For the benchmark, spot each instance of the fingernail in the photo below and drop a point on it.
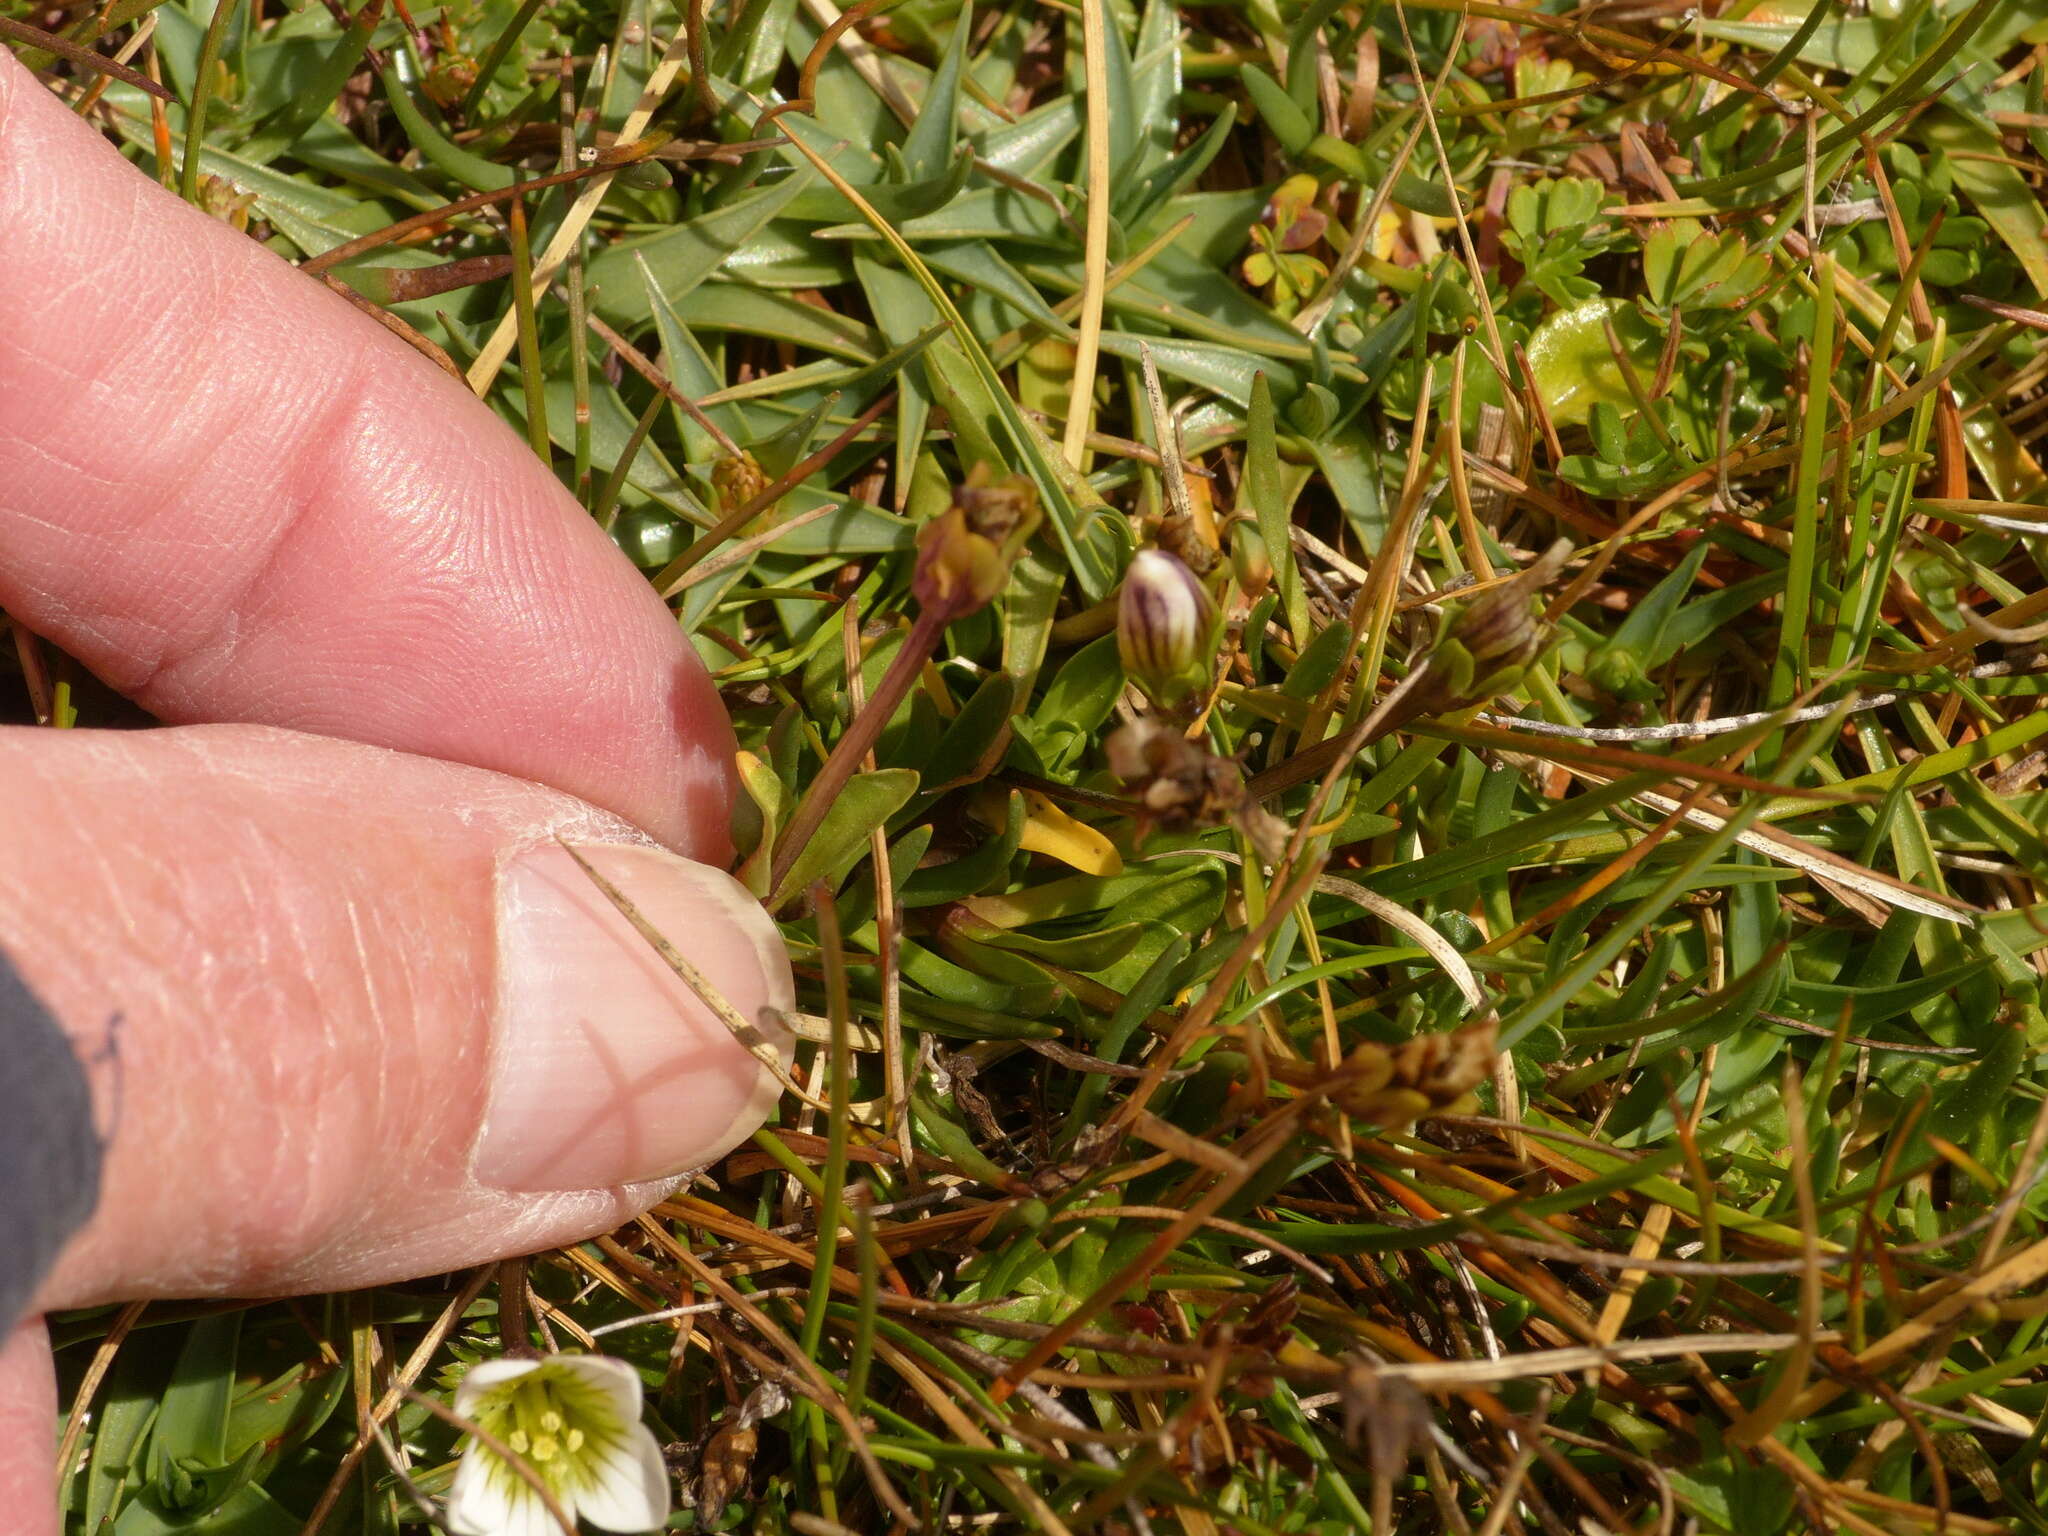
(607, 1066)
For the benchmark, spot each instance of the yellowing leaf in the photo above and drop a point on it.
(771, 799)
(1052, 832)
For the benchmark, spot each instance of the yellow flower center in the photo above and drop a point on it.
(534, 1417)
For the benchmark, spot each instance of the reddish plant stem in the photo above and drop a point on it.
(859, 739)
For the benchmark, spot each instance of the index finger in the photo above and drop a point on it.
(236, 499)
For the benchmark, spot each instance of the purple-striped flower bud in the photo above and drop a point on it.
(1165, 628)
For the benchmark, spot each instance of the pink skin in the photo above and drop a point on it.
(237, 500)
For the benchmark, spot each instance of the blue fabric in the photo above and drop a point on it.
(49, 1150)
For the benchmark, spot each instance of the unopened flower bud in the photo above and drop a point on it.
(1249, 561)
(1488, 646)
(1165, 628)
(1500, 631)
(738, 479)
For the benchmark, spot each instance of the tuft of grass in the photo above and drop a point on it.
(1426, 1084)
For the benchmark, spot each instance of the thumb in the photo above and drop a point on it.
(28, 1442)
(351, 1016)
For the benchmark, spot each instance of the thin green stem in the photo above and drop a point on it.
(205, 74)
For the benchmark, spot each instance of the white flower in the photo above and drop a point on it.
(574, 1420)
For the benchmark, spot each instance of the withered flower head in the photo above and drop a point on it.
(965, 553)
(1430, 1074)
(1180, 537)
(1000, 508)
(1165, 628)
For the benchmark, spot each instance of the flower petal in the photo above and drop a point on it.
(488, 1498)
(485, 1375)
(626, 1488)
(618, 1381)
(531, 1517)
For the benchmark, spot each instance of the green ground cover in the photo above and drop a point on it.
(1534, 1025)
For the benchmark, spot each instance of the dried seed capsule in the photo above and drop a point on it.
(1179, 784)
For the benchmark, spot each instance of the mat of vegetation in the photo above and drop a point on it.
(1506, 998)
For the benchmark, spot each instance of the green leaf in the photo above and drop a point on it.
(1573, 366)
(1029, 605)
(725, 306)
(941, 981)
(1995, 187)
(751, 50)
(899, 203)
(1095, 950)
(681, 258)
(903, 310)
(188, 1448)
(866, 802)
(1267, 489)
(1623, 663)
(1027, 145)
(928, 148)
(246, 1511)
(1143, 206)
(1277, 110)
(979, 263)
(1303, 88)
(122, 1419)
(692, 372)
(441, 152)
(313, 90)
(1319, 662)
(973, 872)
(1155, 89)
(1126, 125)
(974, 738)
(1227, 371)
(987, 213)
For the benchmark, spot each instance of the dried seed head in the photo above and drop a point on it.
(1180, 785)
(728, 1461)
(1383, 1416)
(1165, 628)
